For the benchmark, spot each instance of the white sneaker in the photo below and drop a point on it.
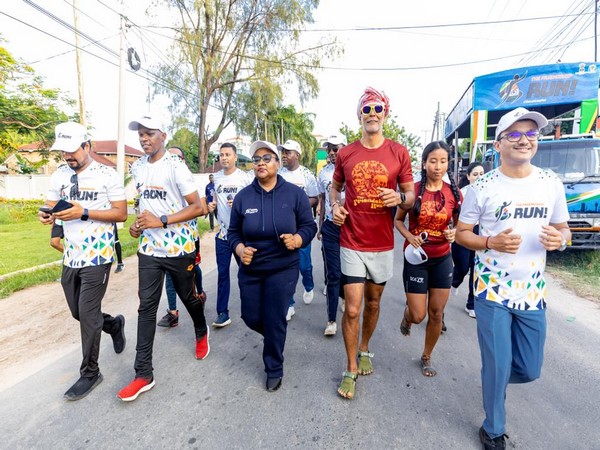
(454, 290)
(330, 329)
(325, 291)
(342, 305)
(308, 297)
(470, 312)
(291, 312)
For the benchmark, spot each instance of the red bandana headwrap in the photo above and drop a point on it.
(373, 96)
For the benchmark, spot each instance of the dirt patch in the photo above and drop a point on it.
(36, 326)
(574, 283)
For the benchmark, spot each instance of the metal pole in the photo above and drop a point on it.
(596, 31)
(121, 109)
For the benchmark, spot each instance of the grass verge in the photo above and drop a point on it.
(578, 270)
(26, 243)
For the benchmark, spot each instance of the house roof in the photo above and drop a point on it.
(100, 147)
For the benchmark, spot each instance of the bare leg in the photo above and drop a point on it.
(437, 302)
(373, 294)
(351, 322)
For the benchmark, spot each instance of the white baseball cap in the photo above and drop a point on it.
(290, 144)
(336, 140)
(517, 114)
(69, 137)
(147, 121)
(262, 144)
(415, 255)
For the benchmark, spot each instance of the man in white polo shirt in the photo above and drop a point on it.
(94, 198)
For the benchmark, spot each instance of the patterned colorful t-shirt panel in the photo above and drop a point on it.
(369, 224)
(91, 242)
(324, 186)
(523, 205)
(161, 189)
(226, 188)
(436, 214)
(303, 178)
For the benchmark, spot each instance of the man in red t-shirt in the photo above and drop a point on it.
(372, 169)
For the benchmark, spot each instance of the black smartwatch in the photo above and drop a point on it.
(402, 198)
(86, 214)
(164, 221)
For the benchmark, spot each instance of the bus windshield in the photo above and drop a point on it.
(571, 160)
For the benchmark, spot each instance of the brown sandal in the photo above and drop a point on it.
(405, 324)
(426, 367)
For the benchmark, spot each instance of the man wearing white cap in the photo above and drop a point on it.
(329, 233)
(167, 205)
(522, 213)
(299, 175)
(88, 197)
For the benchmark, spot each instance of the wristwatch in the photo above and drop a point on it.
(86, 214)
(164, 221)
(563, 245)
(402, 198)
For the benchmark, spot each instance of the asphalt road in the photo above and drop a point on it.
(221, 402)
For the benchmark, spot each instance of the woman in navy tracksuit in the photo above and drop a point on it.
(270, 220)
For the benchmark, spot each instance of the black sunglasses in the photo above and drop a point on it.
(333, 148)
(266, 158)
(74, 187)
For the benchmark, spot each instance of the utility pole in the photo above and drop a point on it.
(121, 108)
(596, 31)
(82, 120)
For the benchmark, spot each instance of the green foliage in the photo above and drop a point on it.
(28, 111)
(283, 123)
(18, 211)
(229, 55)
(391, 130)
(187, 140)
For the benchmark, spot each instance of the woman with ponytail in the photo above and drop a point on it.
(428, 262)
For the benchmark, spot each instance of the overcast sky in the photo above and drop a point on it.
(418, 67)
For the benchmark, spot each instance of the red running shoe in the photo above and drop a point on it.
(203, 346)
(130, 392)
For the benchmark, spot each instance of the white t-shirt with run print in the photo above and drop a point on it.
(303, 178)
(226, 188)
(324, 185)
(161, 189)
(90, 242)
(523, 204)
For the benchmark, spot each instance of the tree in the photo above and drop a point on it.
(283, 123)
(187, 140)
(391, 130)
(28, 111)
(226, 52)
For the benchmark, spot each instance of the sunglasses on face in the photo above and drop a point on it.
(515, 136)
(266, 158)
(74, 187)
(332, 148)
(366, 110)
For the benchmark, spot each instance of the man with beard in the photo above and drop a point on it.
(93, 198)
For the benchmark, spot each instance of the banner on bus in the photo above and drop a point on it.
(536, 86)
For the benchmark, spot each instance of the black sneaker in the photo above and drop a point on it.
(120, 268)
(170, 320)
(489, 443)
(118, 335)
(83, 387)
